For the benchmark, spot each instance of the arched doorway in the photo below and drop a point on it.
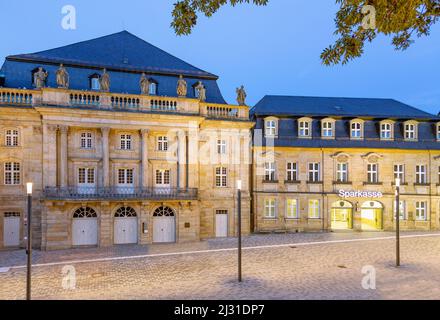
(164, 225)
(342, 215)
(125, 226)
(372, 215)
(85, 227)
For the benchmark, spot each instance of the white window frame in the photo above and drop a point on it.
(87, 178)
(126, 176)
(270, 127)
(356, 127)
(126, 141)
(399, 172)
(410, 130)
(269, 171)
(163, 178)
(86, 140)
(292, 171)
(304, 128)
(292, 208)
(12, 173)
(421, 174)
(421, 210)
(402, 210)
(95, 84)
(386, 131)
(221, 177)
(328, 128)
(270, 208)
(438, 131)
(342, 172)
(152, 89)
(221, 146)
(12, 137)
(162, 143)
(314, 172)
(373, 173)
(314, 209)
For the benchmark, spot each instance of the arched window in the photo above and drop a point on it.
(84, 212)
(163, 212)
(124, 212)
(94, 83)
(152, 90)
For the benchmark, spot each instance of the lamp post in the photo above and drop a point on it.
(239, 227)
(29, 240)
(397, 222)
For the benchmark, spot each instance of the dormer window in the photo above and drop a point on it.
(386, 130)
(437, 131)
(328, 128)
(271, 127)
(94, 82)
(152, 90)
(304, 127)
(356, 129)
(410, 130)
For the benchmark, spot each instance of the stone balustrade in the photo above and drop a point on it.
(121, 101)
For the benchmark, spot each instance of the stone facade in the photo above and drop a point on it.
(51, 152)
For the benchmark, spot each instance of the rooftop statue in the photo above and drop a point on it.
(241, 96)
(105, 81)
(201, 91)
(144, 84)
(62, 77)
(182, 87)
(40, 78)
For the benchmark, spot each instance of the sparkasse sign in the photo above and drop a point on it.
(360, 194)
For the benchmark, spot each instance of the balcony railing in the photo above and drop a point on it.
(119, 193)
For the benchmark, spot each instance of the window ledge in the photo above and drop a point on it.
(402, 183)
(292, 181)
(315, 182)
(270, 219)
(373, 183)
(270, 181)
(292, 219)
(342, 182)
(422, 184)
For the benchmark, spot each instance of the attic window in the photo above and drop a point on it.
(153, 87)
(94, 83)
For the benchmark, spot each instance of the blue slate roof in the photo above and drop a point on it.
(337, 107)
(121, 50)
(124, 55)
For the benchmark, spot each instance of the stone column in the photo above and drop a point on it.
(105, 156)
(49, 155)
(63, 156)
(181, 136)
(144, 158)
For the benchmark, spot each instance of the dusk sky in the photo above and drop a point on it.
(271, 50)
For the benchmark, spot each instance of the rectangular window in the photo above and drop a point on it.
(12, 173)
(304, 129)
(314, 209)
(410, 131)
(385, 131)
(125, 141)
(86, 175)
(269, 171)
(421, 210)
(438, 132)
(314, 174)
(11, 138)
(372, 173)
(221, 177)
(269, 208)
(292, 171)
(163, 177)
(221, 146)
(162, 143)
(356, 128)
(402, 210)
(399, 172)
(86, 140)
(327, 129)
(94, 83)
(342, 172)
(125, 176)
(292, 209)
(270, 128)
(421, 174)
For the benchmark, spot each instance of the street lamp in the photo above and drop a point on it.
(239, 228)
(397, 222)
(29, 240)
